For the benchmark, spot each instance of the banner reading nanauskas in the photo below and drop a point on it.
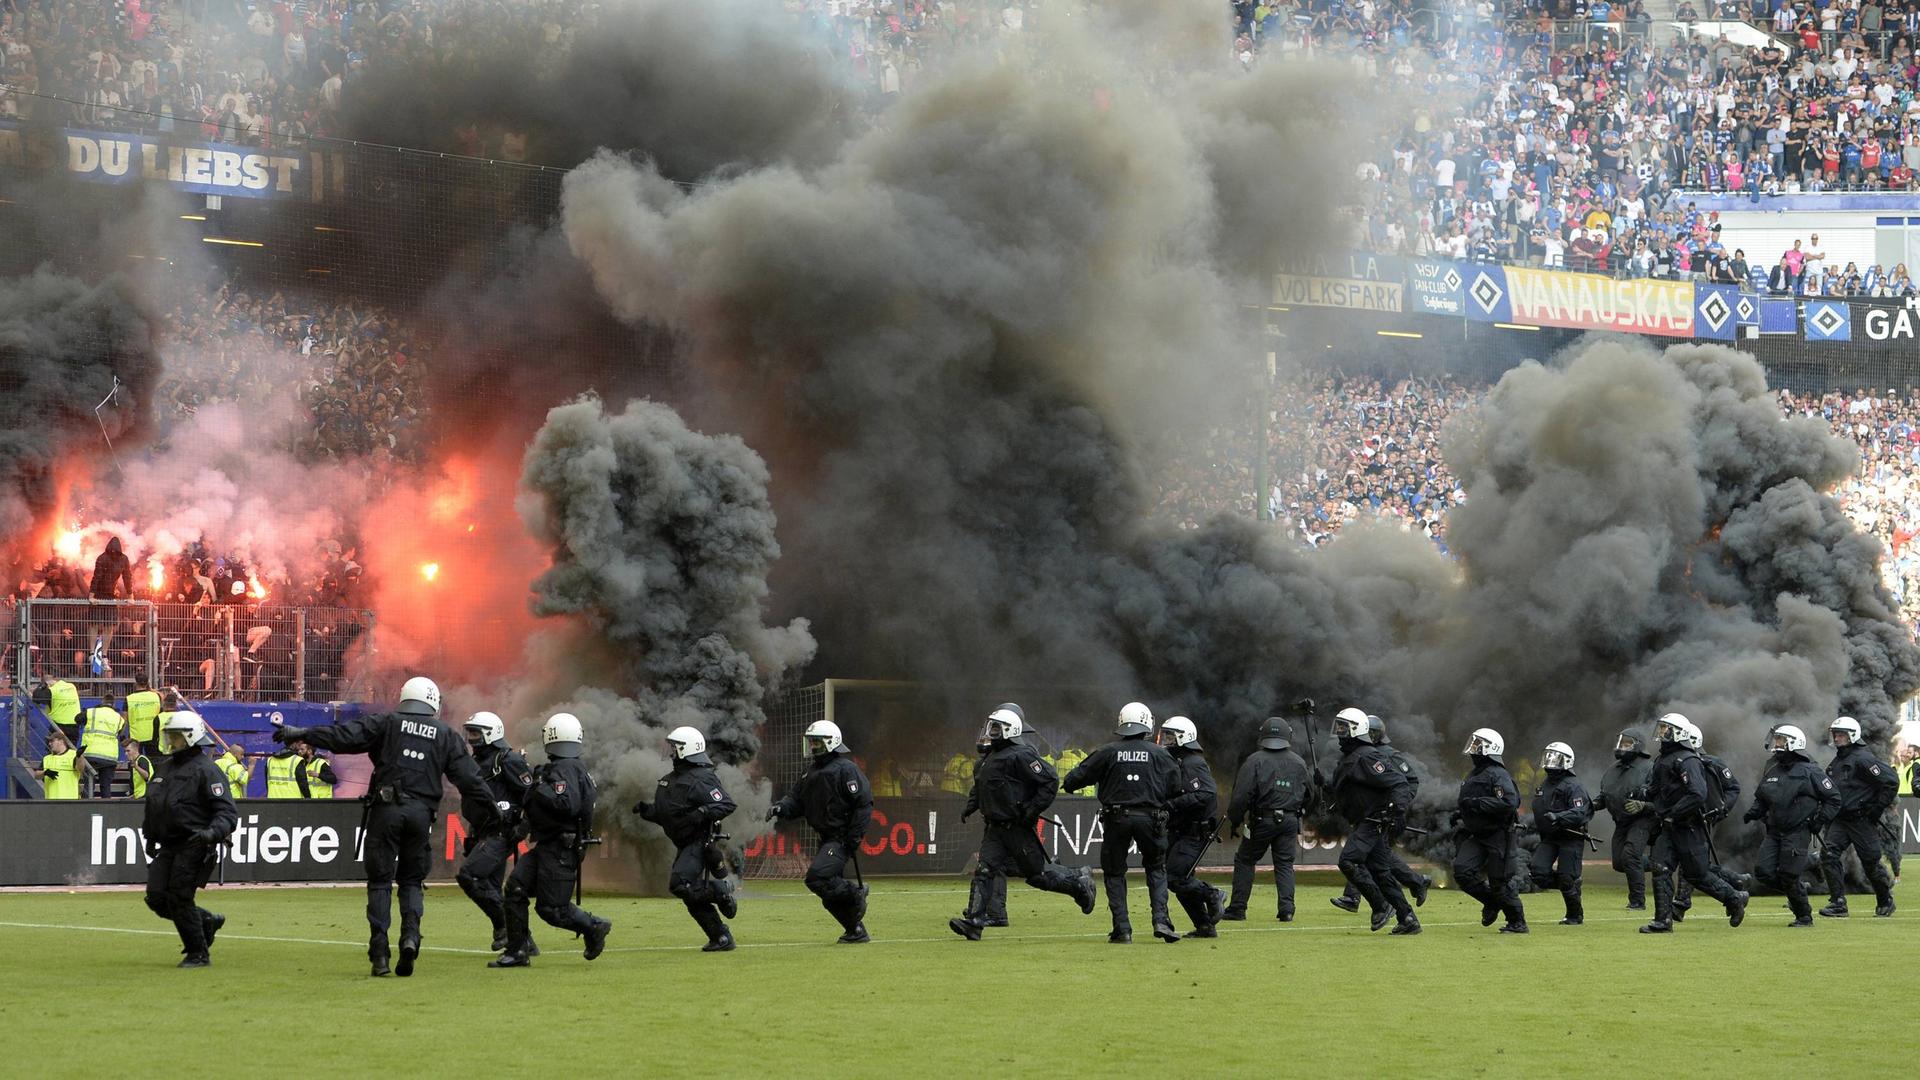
(206, 168)
(1593, 302)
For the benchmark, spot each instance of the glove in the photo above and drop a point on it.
(1754, 813)
(774, 812)
(206, 836)
(284, 734)
(153, 849)
(965, 814)
(1550, 821)
(643, 808)
(1635, 807)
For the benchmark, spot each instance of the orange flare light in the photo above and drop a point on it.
(429, 571)
(256, 590)
(67, 544)
(156, 576)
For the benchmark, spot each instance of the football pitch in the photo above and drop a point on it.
(288, 992)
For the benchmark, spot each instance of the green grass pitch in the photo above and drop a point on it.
(1046, 997)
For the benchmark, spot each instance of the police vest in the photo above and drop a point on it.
(143, 715)
(65, 785)
(63, 704)
(316, 787)
(139, 782)
(101, 739)
(282, 781)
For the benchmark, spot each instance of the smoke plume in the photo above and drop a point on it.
(661, 541)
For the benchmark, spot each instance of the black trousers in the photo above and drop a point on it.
(398, 850)
(1125, 828)
(174, 875)
(1556, 865)
(1682, 847)
(995, 898)
(1483, 867)
(1271, 831)
(1183, 859)
(1013, 850)
(544, 876)
(1630, 839)
(1890, 838)
(1783, 865)
(483, 876)
(827, 879)
(1862, 834)
(1367, 861)
(103, 774)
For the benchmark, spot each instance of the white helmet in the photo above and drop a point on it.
(1673, 727)
(488, 726)
(188, 724)
(1007, 721)
(1558, 755)
(1847, 726)
(688, 744)
(1178, 731)
(1787, 737)
(1135, 719)
(1350, 724)
(561, 735)
(822, 737)
(1486, 742)
(422, 689)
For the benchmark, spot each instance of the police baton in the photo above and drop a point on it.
(1387, 826)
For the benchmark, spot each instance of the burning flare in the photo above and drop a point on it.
(429, 571)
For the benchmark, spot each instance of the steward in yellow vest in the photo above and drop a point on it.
(101, 745)
(59, 770)
(959, 774)
(143, 715)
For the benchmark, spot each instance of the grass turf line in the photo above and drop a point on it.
(1047, 996)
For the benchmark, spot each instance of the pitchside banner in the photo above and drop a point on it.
(1592, 302)
(206, 168)
(1358, 281)
(1436, 287)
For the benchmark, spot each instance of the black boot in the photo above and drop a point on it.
(1120, 935)
(499, 939)
(1409, 924)
(966, 928)
(1084, 893)
(380, 967)
(596, 936)
(1737, 909)
(1348, 904)
(1835, 909)
(1421, 883)
(409, 952)
(724, 899)
(210, 925)
(719, 938)
(1657, 926)
(510, 960)
(1117, 906)
(195, 960)
(1883, 910)
(1157, 904)
(1576, 913)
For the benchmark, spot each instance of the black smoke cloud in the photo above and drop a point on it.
(979, 318)
(62, 344)
(661, 540)
(698, 87)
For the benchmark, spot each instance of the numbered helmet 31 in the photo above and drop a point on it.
(1558, 755)
(1486, 742)
(1177, 732)
(486, 728)
(423, 690)
(1350, 724)
(1135, 719)
(561, 735)
(688, 745)
(822, 737)
(1006, 722)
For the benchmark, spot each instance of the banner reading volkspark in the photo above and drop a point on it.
(1358, 282)
(206, 168)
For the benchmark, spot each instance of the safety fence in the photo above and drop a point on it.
(230, 652)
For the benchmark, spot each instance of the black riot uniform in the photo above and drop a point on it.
(1012, 787)
(1371, 793)
(559, 814)
(1415, 883)
(1867, 788)
(836, 800)
(1561, 810)
(483, 874)
(1795, 800)
(1193, 818)
(1482, 863)
(1624, 794)
(189, 814)
(414, 752)
(1137, 781)
(689, 805)
(995, 912)
(1269, 793)
(1679, 790)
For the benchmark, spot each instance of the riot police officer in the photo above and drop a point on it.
(1867, 787)
(995, 894)
(1011, 788)
(1489, 804)
(1795, 800)
(837, 802)
(1679, 790)
(484, 873)
(689, 805)
(1137, 781)
(1371, 793)
(189, 814)
(1623, 793)
(1192, 819)
(559, 810)
(1416, 884)
(412, 751)
(1269, 794)
(1561, 810)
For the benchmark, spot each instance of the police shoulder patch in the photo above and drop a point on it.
(853, 787)
(1826, 783)
(1378, 766)
(559, 787)
(715, 795)
(1578, 803)
(1874, 769)
(1035, 766)
(218, 788)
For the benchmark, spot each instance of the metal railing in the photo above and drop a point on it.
(232, 652)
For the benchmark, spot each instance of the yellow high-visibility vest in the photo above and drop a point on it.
(236, 775)
(316, 787)
(101, 739)
(65, 785)
(143, 715)
(885, 783)
(140, 761)
(959, 774)
(281, 781)
(63, 703)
